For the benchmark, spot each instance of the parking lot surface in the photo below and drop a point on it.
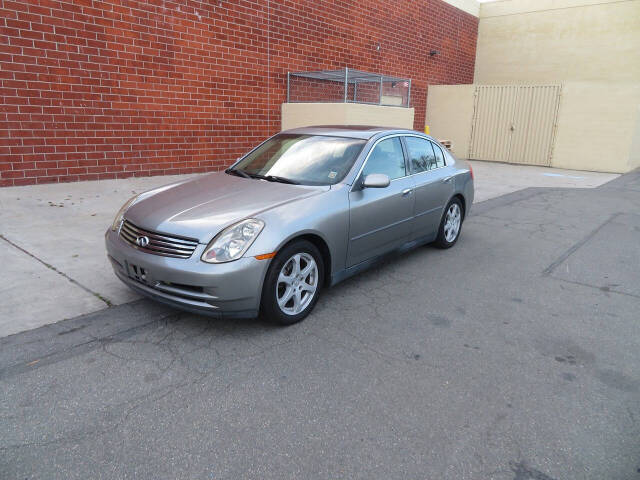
(514, 355)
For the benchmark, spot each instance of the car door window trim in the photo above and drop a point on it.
(433, 145)
(375, 144)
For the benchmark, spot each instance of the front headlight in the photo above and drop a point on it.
(233, 241)
(120, 216)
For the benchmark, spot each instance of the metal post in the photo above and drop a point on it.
(346, 84)
(409, 95)
(355, 90)
(380, 99)
(288, 77)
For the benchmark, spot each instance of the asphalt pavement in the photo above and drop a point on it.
(52, 238)
(514, 355)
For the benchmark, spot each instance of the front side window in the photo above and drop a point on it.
(304, 159)
(386, 158)
(421, 154)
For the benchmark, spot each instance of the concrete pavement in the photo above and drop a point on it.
(514, 355)
(495, 179)
(52, 248)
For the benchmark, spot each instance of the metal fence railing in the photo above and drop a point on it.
(348, 86)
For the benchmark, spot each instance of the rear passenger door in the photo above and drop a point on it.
(433, 182)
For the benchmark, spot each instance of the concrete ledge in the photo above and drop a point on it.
(515, 7)
(296, 115)
(472, 7)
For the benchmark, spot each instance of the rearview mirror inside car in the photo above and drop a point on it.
(376, 180)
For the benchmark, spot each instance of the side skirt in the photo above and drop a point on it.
(355, 269)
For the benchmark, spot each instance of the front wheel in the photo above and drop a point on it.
(450, 225)
(293, 283)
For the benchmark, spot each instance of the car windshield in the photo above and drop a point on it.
(303, 159)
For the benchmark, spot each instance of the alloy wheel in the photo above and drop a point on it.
(297, 283)
(452, 222)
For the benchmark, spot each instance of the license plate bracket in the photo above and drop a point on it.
(138, 273)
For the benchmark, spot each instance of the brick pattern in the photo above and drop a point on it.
(109, 89)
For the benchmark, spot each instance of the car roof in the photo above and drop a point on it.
(351, 131)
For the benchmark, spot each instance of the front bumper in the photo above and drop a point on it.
(230, 289)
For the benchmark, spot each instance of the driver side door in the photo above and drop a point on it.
(380, 219)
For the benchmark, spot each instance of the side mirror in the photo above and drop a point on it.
(376, 180)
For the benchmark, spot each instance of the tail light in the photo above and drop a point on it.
(471, 171)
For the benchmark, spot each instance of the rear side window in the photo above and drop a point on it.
(387, 158)
(421, 155)
(439, 155)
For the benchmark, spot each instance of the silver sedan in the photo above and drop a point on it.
(304, 210)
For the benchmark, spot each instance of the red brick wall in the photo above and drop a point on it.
(109, 89)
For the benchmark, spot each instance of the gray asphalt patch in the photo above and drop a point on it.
(466, 363)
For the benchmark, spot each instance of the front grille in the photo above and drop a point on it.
(159, 243)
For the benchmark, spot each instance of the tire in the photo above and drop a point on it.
(453, 216)
(285, 298)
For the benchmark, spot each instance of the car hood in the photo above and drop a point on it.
(200, 208)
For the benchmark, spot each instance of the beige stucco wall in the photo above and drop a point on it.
(540, 41)
(634, 156)
(307, 114)
(469, 6)
(450, 115)
(598, 125)
(591, 47)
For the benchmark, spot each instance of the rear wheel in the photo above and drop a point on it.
(450, 225)
(293, 283)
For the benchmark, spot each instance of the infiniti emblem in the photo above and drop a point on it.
(142, 241)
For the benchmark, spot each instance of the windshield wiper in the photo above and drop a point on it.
(239, 173)
(275, 178)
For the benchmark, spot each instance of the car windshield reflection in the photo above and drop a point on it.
(302, 159)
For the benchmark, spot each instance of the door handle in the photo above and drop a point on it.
(406, 191)
(446, 179)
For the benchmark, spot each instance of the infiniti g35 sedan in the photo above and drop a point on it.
(304, 210)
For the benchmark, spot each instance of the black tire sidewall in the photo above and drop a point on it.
(441, 241)
(269, 305)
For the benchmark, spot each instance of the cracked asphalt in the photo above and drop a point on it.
(515, 355)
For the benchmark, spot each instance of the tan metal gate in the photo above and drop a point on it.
(514, 123)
